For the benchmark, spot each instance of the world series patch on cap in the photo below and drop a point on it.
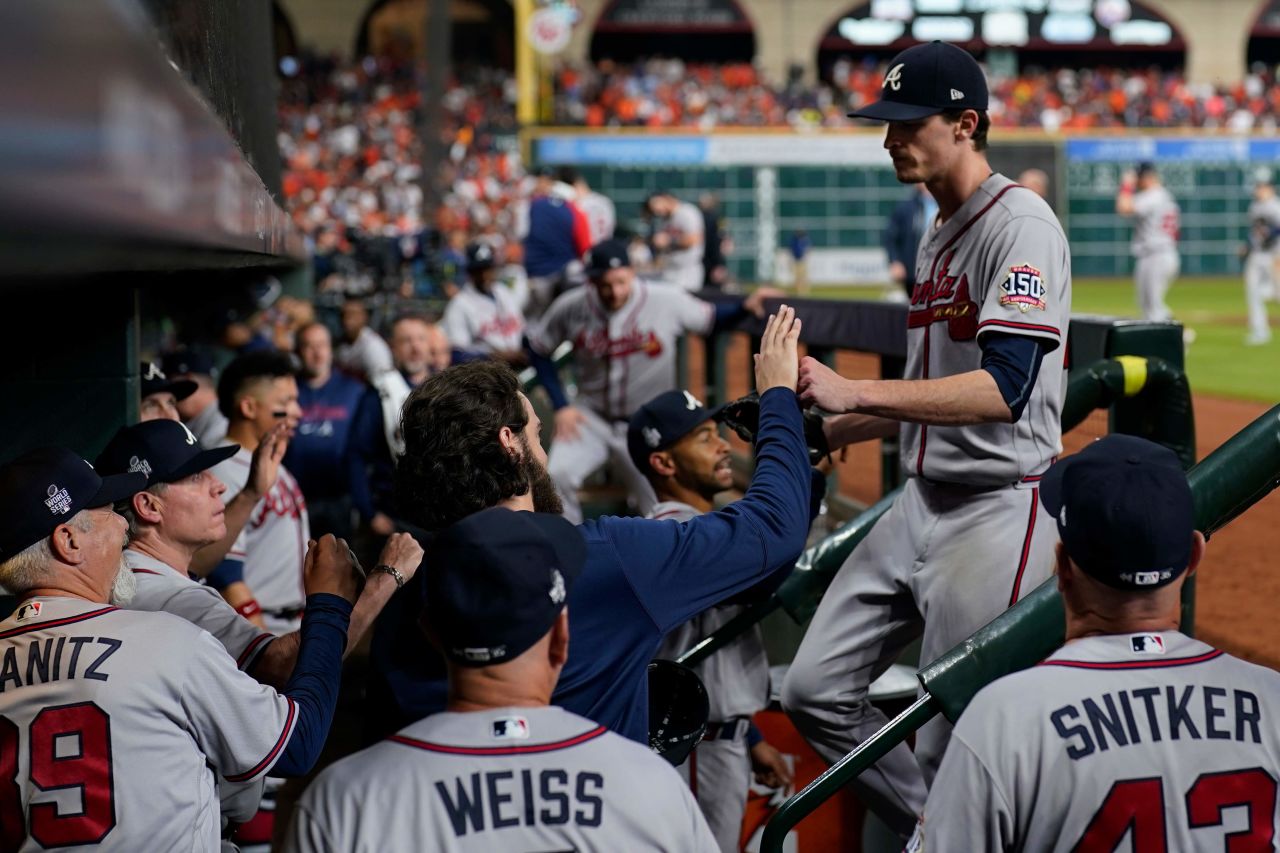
(46, 487)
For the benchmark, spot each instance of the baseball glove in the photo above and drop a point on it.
(743, 417)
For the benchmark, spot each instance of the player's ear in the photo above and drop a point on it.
(146, 506)
(1198, 546)
(661, 463)
(67, 544)
(509, 440)
(247, 405)
(558, 648)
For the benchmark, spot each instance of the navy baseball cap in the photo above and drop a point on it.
(925, 80)
(185, 362)
(164, 451)
(46, 487)
(155, 381)
(496, 582)
(606, 255)
(662, 422)
(480, 256)
(1124, 511)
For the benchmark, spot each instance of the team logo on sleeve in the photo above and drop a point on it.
(511, 728)
(1147, 644)
(1023, 288)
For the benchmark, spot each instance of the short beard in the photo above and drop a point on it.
(543, 488)
(124, 587)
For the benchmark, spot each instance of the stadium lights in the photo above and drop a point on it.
(1070, 7)
(871, 31)
(1068, 29)
(1005, 28)
(942, 28)
(891, 10)
(1142, 32)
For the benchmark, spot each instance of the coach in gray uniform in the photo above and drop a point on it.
(1260, 261)
(979, 420)
(1131, 729)
(500, 769)
(1156, 218)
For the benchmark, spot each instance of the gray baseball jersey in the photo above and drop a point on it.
(1264, 224)
(1155, 221)
(367, 356)
(718, 771)
(683, 267)
(209, 426)
(602, 218)
(502, 779)
(474, 321)
(1154, 737)
(999, 264)
(163, 589)
(626, 358)
(113, 724)
(273, 543)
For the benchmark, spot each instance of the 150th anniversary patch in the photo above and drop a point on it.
(1023, 287)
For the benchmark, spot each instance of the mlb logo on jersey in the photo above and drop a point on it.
(511, 728)
(30, 610)
(1147, 644)
(1024, 288)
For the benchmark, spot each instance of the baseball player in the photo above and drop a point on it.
(599, 210)
(179, 512)
(978, 420)
(678, 241)
(1260, 260)
(258, 392)
(473, 442)
(362, 352)
(199, 411)
(500, 770)
(118, 728)
(160, 394)
(1131, 729)
(673, 439)
(420, 348)
(1155, 216)
(624, 333)
(485, 317)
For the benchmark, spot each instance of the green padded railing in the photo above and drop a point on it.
(1226, 483)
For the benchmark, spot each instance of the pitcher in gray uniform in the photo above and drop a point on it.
(1261, 256)
(1131, 729)
(499, 769)
(674, 440)
(978, 417)
(1156, 222)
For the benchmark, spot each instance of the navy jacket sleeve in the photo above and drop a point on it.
(679, 570)
(314, 683)
(362, 456)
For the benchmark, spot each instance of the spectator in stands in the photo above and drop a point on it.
(160, 394)
(420, 349)
(363, 352)
(714, 271)
(339, 449)
(199, 411)
(679, 240)
(1035, 180)
(558, 237)
(485, 318)
(602, 216)
(910, 219)
(799, 246)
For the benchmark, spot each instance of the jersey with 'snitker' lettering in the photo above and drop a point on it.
(273, 543)
(110, 723)
(1154, 736)
(1156, 221)
(161, 588)
(501, 779)
(623, 359)
(999, 264)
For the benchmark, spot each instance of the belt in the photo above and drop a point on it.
(728, 730)
(286, 613)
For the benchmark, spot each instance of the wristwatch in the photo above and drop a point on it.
(391, 570)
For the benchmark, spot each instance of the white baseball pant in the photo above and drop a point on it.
(598, 442)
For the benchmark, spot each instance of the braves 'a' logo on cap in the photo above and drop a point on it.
(153, 371)
(191, 439)
(691, 402)
(893, 80)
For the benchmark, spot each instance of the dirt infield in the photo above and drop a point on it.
(1239, 582)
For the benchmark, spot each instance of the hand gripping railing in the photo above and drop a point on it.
(1226, 483)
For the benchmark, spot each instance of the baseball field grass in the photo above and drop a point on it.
(1218, 362)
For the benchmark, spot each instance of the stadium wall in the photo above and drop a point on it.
(840, 189)
(789, 31)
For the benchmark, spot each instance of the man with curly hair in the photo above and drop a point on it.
(472, 442)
